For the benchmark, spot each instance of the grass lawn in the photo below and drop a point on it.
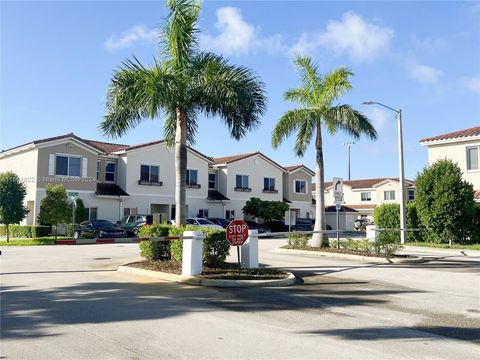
(48, 240)
(444, 246)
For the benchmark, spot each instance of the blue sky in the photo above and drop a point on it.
(57, 59)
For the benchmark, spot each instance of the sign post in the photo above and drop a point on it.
(237, 234)
(73, 197)
(338, 194)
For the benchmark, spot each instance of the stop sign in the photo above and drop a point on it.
(237, 232)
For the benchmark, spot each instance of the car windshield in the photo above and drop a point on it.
(204, 222)
(104, 224)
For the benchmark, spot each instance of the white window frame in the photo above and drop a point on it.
(89, 211)
(187, 172)
(468, 158)
(109, 172)
(241, 181)
(274, 183)
(390, 192)
(68, 156)
(98, 169)
(203, 213)
(149, 171)
(295, 186)
(214, 181)
(368, 197)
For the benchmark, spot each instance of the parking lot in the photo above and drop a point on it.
(68, 302)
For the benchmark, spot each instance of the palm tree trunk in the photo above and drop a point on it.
(319, 240)
(180, 168)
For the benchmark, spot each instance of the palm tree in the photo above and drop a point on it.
(180, 86)
(315, 98)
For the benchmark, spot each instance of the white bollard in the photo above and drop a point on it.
(250, 251)
(192, 253)
(372, 233)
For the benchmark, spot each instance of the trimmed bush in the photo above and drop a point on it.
(298, 241)
(40, 231)
(17, 231)
(387, 216)
(155, 250)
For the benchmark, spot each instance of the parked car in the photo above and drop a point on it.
(132, 223)
(203, 223)
(361, 224)
(98, 229)
(219, 221)
(303, 224)
(275, 226)
(252, 225)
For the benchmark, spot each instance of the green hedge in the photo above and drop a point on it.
(387, 216)
(25, 231)
(215, 245)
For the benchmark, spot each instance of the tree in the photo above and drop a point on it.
(445, 202)
(79, 211)
(387, 216)
(315, 97)
(181, 85)
(12, 194)
(267, 210)
(55, 208)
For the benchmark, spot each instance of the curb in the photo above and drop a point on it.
(446, 251)
(193, 280)
(370, 259)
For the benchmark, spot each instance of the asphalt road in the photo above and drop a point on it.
(67, 302)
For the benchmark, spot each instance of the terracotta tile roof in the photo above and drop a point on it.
(367, 183)
(473, 131)
(362, 206)
(233, 158)
(296, 167)
(105, 147)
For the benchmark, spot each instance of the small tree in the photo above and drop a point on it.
(55, 208)
(79, 211)
(12, 194)
(445, 202)
(267, 210)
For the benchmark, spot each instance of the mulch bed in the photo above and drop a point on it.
(228, 272)
(350, 252)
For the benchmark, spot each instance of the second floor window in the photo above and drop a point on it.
(241, 182)
(389, 195)
(110, 172)
(411, 195)
(192, 177)
(98, 170)
(149, 173)
(366, 196)
(67, 165)
(472, 158)
(300, 186)
(212, 181)
(269, 184)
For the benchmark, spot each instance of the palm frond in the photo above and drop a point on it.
(291, 121)
(335, 84)
(300, 96)
(351, 121)
(230, 92)
(309, 77)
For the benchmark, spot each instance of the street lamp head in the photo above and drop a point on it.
(368, 102)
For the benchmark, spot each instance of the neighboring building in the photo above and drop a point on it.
(462, 147)
(297, 190)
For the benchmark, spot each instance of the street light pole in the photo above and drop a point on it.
(401, 167)
(348, 145)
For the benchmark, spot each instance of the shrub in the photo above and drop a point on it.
(215, 247)
(297, 241)
(155, 250)
(40, 231)
(475, 232)
(387, 216)
(413, 222)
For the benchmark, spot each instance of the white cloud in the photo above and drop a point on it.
(379, 117)
(238, 37)
(134, 35)
(424, 74)
(472, 83)
(352, 35)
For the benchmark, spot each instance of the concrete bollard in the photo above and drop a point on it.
(372, 233)
(249, 256)
(192, 253)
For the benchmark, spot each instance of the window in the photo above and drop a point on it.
(192, 177)
(98, 170)
(212, 181)
(110, 172)
(268, 184)
(129, 211)
(149, 174)
(411, 194)
(90, 213)
(389, 195)
(242, 182)
(301, 186)
(203, 213)
(230, 214)
(472, 158)
(366, 196)
(67, 165)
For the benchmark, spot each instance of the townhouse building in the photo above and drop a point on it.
(114, 180)
(463, 148)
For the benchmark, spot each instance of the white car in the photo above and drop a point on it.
(203, 223)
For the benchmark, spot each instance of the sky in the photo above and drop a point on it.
(57, 60)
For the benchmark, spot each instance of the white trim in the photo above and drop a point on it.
(114, 173)
(66, 140)
(84, 170)
(304, 168)
(51, 165)
(468, 147)
(295, 187)
(68, 165)
(14, 151)
(449, 141)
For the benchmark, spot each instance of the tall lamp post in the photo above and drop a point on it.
(400, 160)
(348, 144)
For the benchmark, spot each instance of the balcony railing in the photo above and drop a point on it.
(270, 191)
(242, 189)
(193, 186)
(150, 183)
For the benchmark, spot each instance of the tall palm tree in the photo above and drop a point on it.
(181, 85)
(315, 97)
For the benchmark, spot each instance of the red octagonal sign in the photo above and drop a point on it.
(237, 232)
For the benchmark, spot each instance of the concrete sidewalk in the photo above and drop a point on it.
(431, 250)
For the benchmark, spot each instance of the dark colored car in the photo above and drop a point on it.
(275, 226)
(98, 229)
(132, 223)
(303, 224)
(252, 225)
(219, 221)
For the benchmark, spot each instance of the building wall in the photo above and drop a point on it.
(289, 186)
(456, 152)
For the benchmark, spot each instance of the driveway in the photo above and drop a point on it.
(67, 302)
